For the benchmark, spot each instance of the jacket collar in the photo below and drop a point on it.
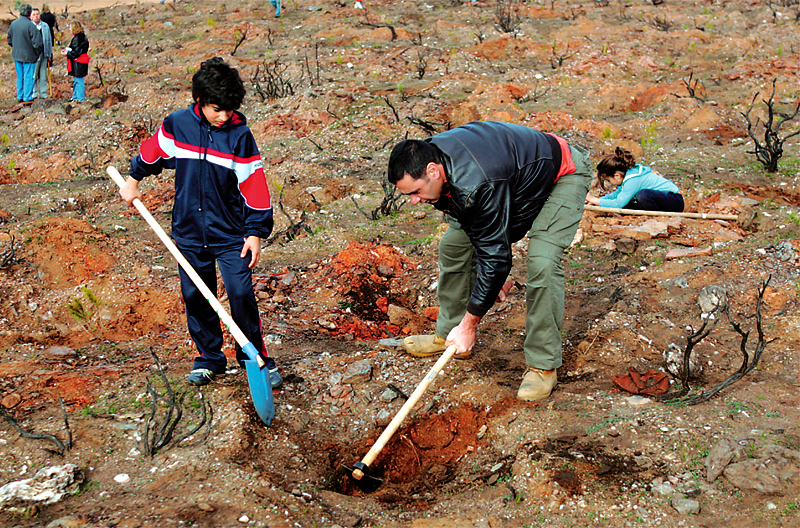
(236, 120)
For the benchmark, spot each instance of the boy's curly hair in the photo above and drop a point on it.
(217, 83)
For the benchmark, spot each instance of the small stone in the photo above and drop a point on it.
(358, 372)
(244, 519)
(383, 418)
(686, 506)
(60, 352)
(482, 432)
(637, 400)
(206, 507)
(10, 401)
(70, 521)
(122, 478)
(626, 245)
(663, 488)
(388, 396)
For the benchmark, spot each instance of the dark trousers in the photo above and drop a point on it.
(649, 200)
(203, 321)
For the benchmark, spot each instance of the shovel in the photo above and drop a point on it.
(360, 470)
(257, 375)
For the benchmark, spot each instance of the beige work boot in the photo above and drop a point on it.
(537, 384)
(428, 345)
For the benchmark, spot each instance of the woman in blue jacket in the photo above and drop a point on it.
(638, 186)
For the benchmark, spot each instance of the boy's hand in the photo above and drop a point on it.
(252, 244)
(130, 191)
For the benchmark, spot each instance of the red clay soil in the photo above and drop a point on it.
(369, 277)
(424, 453)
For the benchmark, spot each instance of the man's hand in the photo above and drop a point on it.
(252, 245)
(130, 191)
(463, 336)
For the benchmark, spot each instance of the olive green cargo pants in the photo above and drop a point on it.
(551, 234)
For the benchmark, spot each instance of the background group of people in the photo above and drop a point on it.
(31, 37)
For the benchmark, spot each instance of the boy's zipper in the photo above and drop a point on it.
(203, 179)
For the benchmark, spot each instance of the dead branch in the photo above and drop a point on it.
(241, 39)
(692, 87)
(270, 81)
(427, 126)
(748, 362)
(99, 74)
(208, 417)
(422, 62)
(391, 28)
(39, 436)
(294, 229)
(394, 110)
(557, 60)
(315, 144)
(507, 17)
(769, 152)
(691, 341)
(172, 416)
(661, 24)
(389, 204)
(66, 423)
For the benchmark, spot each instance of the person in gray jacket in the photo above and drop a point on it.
(497, 182)
(26, 46)
(45, 59)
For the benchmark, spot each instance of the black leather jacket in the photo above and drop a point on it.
(499, 176)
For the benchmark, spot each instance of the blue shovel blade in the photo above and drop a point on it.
(260, 386)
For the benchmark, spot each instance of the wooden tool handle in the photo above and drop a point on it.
(707, 216)
(237, 334)
(394, 425)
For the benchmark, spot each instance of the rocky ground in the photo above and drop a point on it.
(92, 337)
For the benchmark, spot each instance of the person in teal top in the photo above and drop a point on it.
(638, 186)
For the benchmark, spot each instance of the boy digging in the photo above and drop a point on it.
(222, 209)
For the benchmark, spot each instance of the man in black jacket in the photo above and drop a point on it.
(497, 182)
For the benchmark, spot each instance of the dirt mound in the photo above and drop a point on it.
(377, 299)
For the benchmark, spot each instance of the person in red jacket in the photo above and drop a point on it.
(77, 54)
(222, 209)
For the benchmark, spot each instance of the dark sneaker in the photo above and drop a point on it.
(275, 377)
(200, 377)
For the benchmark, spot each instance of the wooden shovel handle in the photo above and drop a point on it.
(237, 334)
(707, 216)
(394, 425)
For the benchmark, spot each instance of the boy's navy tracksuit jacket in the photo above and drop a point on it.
(221, 192)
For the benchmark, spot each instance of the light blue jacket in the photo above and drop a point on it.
(639, 177)
(47, 39)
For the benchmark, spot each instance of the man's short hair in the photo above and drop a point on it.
(25, 10)
(216, 83)
(411, 157)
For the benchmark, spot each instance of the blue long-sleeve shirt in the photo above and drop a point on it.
(637, 178)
